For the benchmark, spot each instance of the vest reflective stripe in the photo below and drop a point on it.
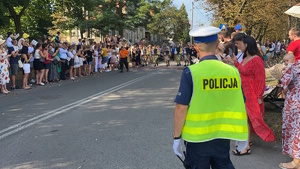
(216, 115)
(217, 108)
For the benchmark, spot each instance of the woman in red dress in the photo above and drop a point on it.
(252, 74)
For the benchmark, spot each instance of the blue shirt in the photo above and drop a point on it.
(63, 53)
(9, 43)
(185, 91)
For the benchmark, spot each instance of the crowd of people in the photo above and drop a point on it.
(51, 61)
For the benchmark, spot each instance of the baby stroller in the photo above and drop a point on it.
(273, 94)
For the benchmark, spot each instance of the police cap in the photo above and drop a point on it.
(205, 34)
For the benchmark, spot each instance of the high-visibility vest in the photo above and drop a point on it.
(217, 108)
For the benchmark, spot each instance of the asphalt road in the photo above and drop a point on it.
(105, 121)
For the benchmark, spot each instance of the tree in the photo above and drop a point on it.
(182, 26)
(16, 10)
(129, 14)
(37, 18)
(262, 19)
(161, 22)
(170, 22)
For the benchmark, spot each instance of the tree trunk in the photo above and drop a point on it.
(81, 33)
(17, 18)
(18, 26)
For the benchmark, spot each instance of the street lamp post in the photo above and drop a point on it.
(191, 39)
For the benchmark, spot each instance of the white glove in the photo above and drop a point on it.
(178, 147)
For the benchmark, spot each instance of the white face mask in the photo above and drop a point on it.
(53, 50)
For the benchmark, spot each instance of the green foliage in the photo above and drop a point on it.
(171, 22)
(41, 17)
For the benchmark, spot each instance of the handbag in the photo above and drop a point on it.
(55, 61)
(20, 63)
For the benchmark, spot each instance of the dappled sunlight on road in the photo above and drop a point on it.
(134, 99)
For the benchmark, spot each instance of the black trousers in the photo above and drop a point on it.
(63, 66)
(123, 61)
(211, 154)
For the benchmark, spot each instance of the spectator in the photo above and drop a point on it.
(30, 51)
(294, 46)
(290, 116)
(239, 41)
(96, 54)
(4, 65)
(13, 60)
(57, 39)
(26, 64)
(47, 62)
(238, 28)
(138, 56)
(63, 50)
(38, 64)
(81, 59)
(53, 74)
(89, 58)
(252, 74)
(105, 57)
(113, 60)
(123, 59)
(71, 62)
(193, 54)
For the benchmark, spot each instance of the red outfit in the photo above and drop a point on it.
(295, 48)
(291, 112)
(253, 83)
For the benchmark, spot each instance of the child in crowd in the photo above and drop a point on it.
(289, 60)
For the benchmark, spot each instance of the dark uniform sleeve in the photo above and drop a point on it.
(244, 95)
(185, 91)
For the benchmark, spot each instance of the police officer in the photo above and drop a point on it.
(210, 109)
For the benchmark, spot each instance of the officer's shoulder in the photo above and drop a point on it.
(186, 70)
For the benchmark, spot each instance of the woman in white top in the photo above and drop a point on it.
(71, 62)
(38, 64)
